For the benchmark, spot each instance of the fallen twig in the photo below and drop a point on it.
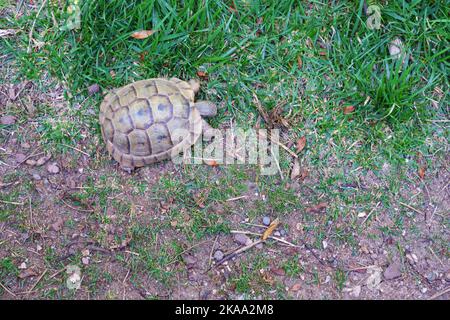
(235, 253)
(439, 294)
(412, 208)
(37, 281)
(370, 213)
(7, 290)
(34, 24)
(76, 149)
(237, 198)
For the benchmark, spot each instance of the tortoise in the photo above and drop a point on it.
(152, 120)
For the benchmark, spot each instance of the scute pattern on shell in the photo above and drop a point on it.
(139, 121)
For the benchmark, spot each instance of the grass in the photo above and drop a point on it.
(310, 58)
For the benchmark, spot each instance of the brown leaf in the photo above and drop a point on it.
(422, 172)
(295, 169)
(270, 229)
(143, 34)
(296, 287)
(317, 208)
(202, 74)
(299, 62)
(278, 271)
(212, 163)
(27, 273)
(268, 278)
(349, 109)
(301, 143)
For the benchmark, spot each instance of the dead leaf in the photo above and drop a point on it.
(27, 273)
(278, 271)
(301, 143)
(53, 168)
(296, 287)
(142, 34)
(299, 62)
(268, 278)
(317, 208)
(349, 109)
(212, 163)
(422, 172)
(7, 120)
(270, 229)
(295, 169)
(202, 74)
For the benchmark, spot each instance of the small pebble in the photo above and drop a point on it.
(241, 239)
(189, 260)
(43, 160)
(36, 176)
(283, 232)
(31, 162)
(218, 255)
(266, 221)
(93, 89)
(20, 157)
(53, 168)
(277, 234)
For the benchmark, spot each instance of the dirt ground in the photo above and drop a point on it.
(47, 225)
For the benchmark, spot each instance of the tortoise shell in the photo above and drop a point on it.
(141, 122)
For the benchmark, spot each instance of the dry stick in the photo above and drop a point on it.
(237, 198)
(34, 24)
(7, 290)
(277, 163)
(188, 249)
(33, 154)
(439, 294)
(292, 153)
(76, 149)
(212, 250)
(234, 254)
(11, 202)
(56, 273)
(435, 255)
(281, 240)
(412, 208)
(37, 281)
(270, 237)
(76, 209)
(370, 213)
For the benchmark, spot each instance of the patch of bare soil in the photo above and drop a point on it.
(49, 226)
